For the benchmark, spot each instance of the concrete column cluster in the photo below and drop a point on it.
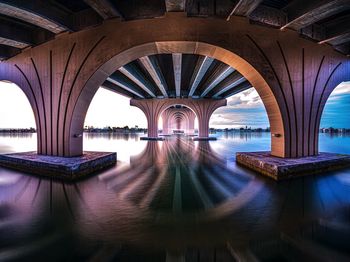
(178, 118)
(155, 108)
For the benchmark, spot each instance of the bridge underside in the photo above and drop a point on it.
(179, 58)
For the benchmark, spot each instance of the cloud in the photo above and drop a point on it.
(343, 88)
(246, 99)
(243, 109)
(337, 108)
(246, 108)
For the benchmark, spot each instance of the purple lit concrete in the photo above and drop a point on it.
(68, 168)
(284, 168)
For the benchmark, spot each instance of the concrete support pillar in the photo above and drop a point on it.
(204, 112)
(166, 122)
(191, 118)
(151, 110)
(165, 130)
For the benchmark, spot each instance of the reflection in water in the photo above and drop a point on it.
(175, 200)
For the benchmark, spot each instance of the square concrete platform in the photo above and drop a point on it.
(284, 168)
(66, 168)
(152, 138)
(211, 138)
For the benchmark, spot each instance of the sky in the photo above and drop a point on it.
(110, 109)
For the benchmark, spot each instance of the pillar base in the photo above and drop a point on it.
(63, 168)
(151, 138)
(209, 138)
(285, 168)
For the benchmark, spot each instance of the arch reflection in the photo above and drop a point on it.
(179, 178)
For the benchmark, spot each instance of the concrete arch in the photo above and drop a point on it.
(186, 47)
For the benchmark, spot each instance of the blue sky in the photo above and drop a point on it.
(111, 109)
(247, 108)
(337, 110)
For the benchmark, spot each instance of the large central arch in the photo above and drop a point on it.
(185, 47)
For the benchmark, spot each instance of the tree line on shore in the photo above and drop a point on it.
(136, 129)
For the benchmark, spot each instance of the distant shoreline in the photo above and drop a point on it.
(136, 130)
(17, 130)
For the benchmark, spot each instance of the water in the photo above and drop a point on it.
(175, 200)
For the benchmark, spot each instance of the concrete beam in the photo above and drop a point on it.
(104, 8)
(7, 51)
(177, 63)
(265, 15)
(86, 18)
(239, 88)
(337, 39)
(141, 9)
(337, 31)
(40, 13)
(20, 35)
(13, 43)
(201, 68)
(343, 48)
(113, 87)
(125, 86)
(315, 31)
(231, 83)
(134, 75)
(225, 84)
(152, 67)
(175, 5)
(222, 72)
(244, 8)
(303, 13)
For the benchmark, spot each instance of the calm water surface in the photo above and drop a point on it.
(175, 200)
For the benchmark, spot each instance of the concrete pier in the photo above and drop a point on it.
(209, 138)
(64, 168)
(152, 138)
(285, 168)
